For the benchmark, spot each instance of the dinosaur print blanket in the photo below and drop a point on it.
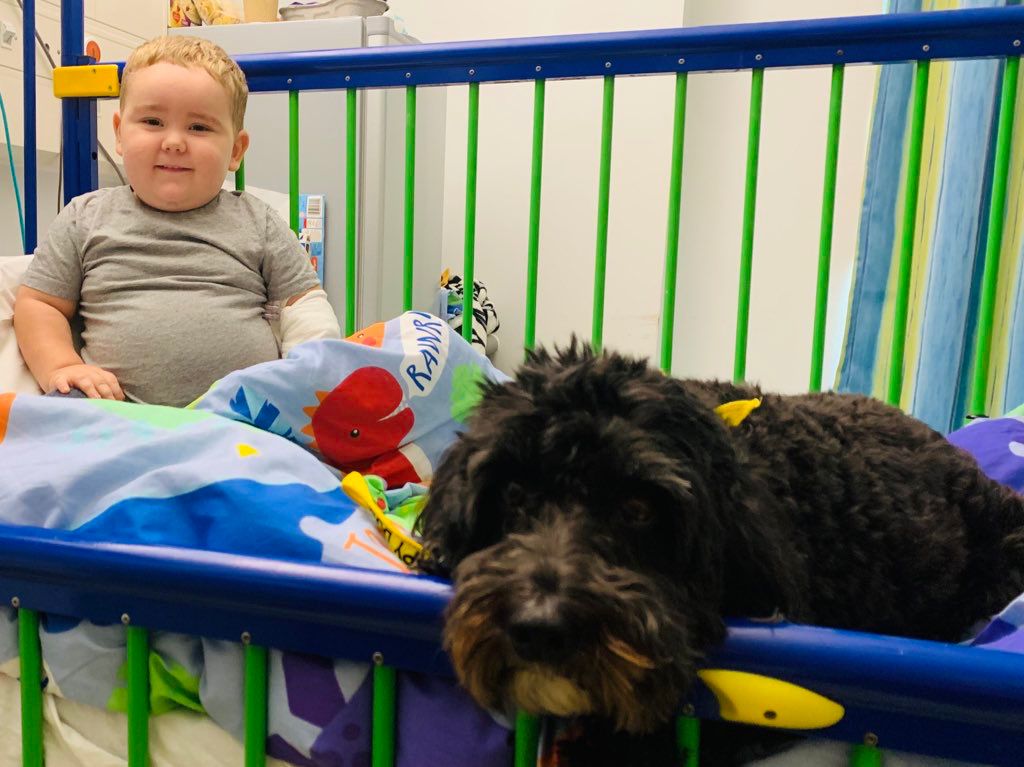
(253, 468)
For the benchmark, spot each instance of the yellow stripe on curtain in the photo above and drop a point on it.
(932, 157)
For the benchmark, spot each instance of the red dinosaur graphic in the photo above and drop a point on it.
(358, 426)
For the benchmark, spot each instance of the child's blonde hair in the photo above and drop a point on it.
(192, 52)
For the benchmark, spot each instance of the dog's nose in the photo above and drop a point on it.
(540, 639)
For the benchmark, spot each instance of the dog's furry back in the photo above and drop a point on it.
(867, 494)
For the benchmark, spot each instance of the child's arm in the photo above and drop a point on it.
(305, 317)
(303, 294)
(291, 283)
(43, 329)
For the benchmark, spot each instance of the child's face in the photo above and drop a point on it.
(176, 136)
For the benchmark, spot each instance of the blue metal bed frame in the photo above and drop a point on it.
(924, 697)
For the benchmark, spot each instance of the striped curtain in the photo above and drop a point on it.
(949, 247)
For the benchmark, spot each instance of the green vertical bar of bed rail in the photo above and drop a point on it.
(383, 748)
(828, 208)
(739, 368)
(994, 243)
(533, 243)
(410, 195)
(31, 662)
(865, 756)
(240, 177)
(468, 261)
(293, 161)
(675, 186)
(527, 738)
(255, 705)
(912, 184)
(688, 740)
(138, 697)
(604, 186)
(351, 203)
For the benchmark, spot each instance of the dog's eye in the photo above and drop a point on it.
(637, 512)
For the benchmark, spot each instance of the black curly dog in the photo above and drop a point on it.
(600, 519)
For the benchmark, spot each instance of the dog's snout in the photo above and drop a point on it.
(540, 638)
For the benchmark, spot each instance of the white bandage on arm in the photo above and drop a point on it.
(309, 318)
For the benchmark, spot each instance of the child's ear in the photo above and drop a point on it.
(117, 132)
(238, 150)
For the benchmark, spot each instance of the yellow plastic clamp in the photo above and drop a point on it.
(769, 702)
(86, 81)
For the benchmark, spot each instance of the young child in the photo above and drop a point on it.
(170, 275)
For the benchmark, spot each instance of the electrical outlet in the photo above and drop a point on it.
(8, 34)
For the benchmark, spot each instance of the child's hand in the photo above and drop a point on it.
(95, 383)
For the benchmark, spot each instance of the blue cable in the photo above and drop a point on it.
(14, 175)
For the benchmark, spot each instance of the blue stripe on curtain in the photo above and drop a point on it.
(957, 249)
(949, 241)
(877, 227)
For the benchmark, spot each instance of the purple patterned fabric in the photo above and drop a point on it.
(1000, 635)
(998, 446)
(437, 721)
(313, 692)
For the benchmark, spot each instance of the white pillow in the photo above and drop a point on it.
(14, 375)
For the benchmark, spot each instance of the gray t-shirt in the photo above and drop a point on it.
(171, 302)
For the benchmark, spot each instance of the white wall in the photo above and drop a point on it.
(792, 152)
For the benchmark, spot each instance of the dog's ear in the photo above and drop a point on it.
(756, 578)
(462, 514)
(449, 524)
(731, 535)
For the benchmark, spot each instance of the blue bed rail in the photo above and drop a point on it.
(878, 39)
(972, 33)
(29, 128)
(81, 173)
(925, 697)
(331, 611)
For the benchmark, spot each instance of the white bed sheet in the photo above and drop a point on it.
(14, 375)
(78, 735)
